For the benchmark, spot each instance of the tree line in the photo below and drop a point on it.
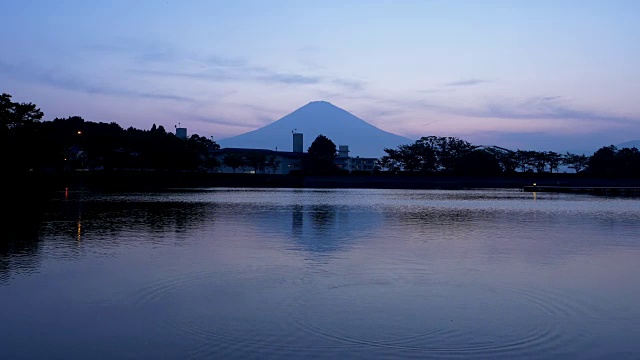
(451, 155)
(254, 160)
(71, 143)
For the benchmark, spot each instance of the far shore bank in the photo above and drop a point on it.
(158, 180)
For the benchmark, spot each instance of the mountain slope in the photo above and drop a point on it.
(629, 144)
(313, 119)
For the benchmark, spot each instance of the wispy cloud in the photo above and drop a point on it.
(353, 85)
(221, 121)
(378, 113)
(227, 62)
(298, 79)
(467, 82)
(63, 80)
(158, 60)
(435, 91)
(161, 60)
(263, 76)
(143, 52)
(216, 68)
(546, 107)
(535, 108)
(256, 74)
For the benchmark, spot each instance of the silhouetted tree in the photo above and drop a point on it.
(419, 156)
(255, 160)
(211, 163)
(478, 163)
(20, 138)
(603, 161)
(449, 151)
(528, 160)
(506, 158)
(628, 162)
(610, 161)
(14, 114)
(234, 161)
(322, 155)
(272, 164)
(553, 160)
(388, 162)
(6, 109)
(427, 154)
(575, 161)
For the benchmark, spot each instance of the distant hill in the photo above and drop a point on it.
(629, 144)
(313, 119)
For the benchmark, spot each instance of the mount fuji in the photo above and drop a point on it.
(319, 118)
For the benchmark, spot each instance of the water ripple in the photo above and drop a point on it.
(424, 330)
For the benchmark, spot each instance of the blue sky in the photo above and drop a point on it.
(548, 75)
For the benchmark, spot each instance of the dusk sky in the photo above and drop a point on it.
(545, 75)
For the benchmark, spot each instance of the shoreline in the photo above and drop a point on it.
(158, 180)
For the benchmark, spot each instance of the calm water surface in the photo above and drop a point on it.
(323, 274)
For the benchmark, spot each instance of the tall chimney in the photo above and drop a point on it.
(297, 142)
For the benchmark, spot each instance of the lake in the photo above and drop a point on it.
(224, 273)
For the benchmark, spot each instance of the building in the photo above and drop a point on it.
(284, 162)
(362, 164)
(181, 132)
(342, 160)
(346, 162)
(277, 162)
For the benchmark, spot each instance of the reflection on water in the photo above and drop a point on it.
(291, 273)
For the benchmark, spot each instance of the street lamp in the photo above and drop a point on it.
(82, 150)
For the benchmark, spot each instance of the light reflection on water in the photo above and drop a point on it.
(304, 273)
